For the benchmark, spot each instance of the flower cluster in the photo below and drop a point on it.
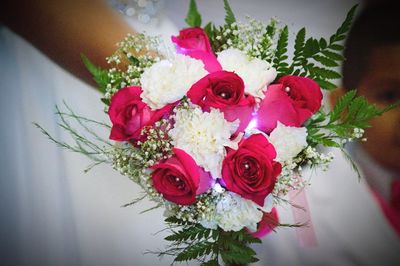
(214, 131)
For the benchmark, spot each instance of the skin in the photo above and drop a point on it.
(64, 29)
(381, 86)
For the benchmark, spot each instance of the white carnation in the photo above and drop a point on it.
(288, 141)
(167, 81)
(204, 136)
(257, 74)
(234, 212)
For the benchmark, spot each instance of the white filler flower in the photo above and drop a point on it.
(234, 212)
(288, 141)
(257, 74)
(167, 81)
(204, 136)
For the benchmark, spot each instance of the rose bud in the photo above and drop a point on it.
(194, 42)
(193, 39)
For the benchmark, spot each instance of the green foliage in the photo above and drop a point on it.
(190, 241)
(281, 51)
(340, 106)
(193, 18)
(91, 144)
(229, 16)
(209, 29)
(350, 113)
(99, 75)
(313, 58)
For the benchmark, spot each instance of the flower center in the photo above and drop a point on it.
(249, 168)
(178, 182)
(224, 95)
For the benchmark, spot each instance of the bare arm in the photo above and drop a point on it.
(63, 29)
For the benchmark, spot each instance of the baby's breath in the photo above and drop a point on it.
(137, 52)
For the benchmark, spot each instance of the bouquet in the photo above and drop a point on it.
(217, 126)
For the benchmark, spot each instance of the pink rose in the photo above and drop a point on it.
(129, 115)
(179, 179)
(269, 221)
(251, 171)
(194, 43)
(225, 91)
(193, 39)
(292, 101)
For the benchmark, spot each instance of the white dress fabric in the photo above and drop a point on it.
(51, 212)
(348, 222)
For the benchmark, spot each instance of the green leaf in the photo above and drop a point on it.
(324, 73)
(311, 47)
(336, 47)
(351, 161)
(322, 43)
(193, 17)
(99, 75)
(105, 101)
(391, 107)
(326, 85)
(341, 105)
(299, 41)
(134, 60)
(333, 55)
(326, 61)
(345, 27)
(209, 30)
(229, 16)
(194, 251)
(281, 48)
(213, 262)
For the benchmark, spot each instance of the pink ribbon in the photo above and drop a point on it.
(301, 215)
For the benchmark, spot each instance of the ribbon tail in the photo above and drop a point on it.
(301, 215)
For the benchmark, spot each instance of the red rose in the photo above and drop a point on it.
(129, 115)
(225, 91)
(250, 170)
(269, 221)
(179, 179)
(194, 43)
(193, 39)
(292, 101)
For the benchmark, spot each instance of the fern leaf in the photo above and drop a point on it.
(311, 47)
(326, 61)
(281, 50)
(345, 27)
(333, 55)
(341, 105)
(193, 18)
(100, 76)
(229, 16)
(324, 84)
(323, 73)
(299, 41)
